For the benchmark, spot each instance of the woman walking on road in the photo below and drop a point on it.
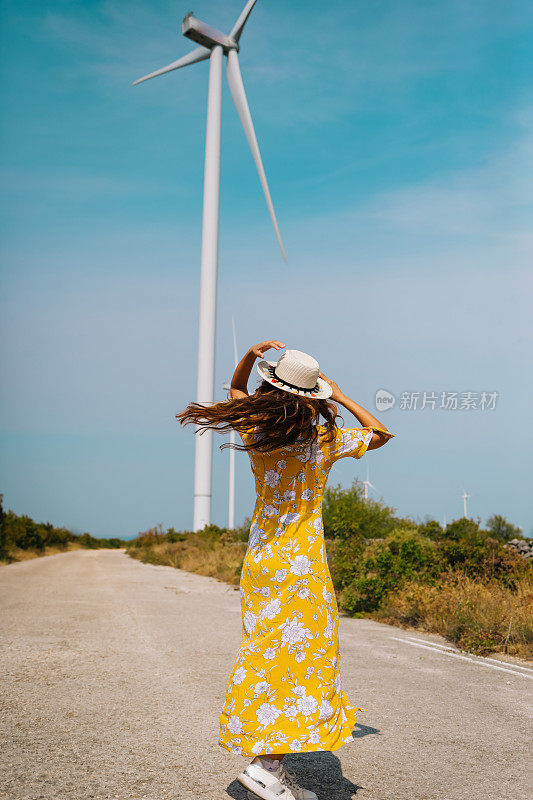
(284, 693)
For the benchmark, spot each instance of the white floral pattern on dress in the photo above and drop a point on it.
(284, 693)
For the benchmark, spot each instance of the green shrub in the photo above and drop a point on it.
(498, 527)
(364, 594)
(346, 514)
(344, 557)
(3, 531)
(23, 533)
(432, 529)
(175, 536)
(30, 537)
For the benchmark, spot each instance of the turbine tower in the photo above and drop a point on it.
(465, 496)
(214, 45)
(232, 439)
(367, 484)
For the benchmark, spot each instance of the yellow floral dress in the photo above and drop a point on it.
(284, 692)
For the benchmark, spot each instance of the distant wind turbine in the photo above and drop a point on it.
(465, 496)
(367, 484)
(214, 45)
(232, 438)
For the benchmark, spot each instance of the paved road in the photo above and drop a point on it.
(115, 671)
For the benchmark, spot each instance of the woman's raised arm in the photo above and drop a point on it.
(368, 420)
(239, 382)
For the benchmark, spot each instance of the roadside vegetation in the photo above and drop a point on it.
(465, 583)
(22, 538)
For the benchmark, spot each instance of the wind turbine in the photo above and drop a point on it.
(214, 45)
(367, 484)
(232, 439)
(465, 496)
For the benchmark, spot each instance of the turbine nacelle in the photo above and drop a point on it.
(205, 35)
(209, 39)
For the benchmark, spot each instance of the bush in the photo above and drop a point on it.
(344, 558)
(175, 536)
(3, 531)
(432, 529)
(346, 514)
(364, 594)
(501, 529)
(480, 617)
(462, 529)
(22, 533)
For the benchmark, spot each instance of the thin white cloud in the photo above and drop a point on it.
(62, 182)
(298, 60)
(483, 207)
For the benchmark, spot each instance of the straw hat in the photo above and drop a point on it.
(296, 372)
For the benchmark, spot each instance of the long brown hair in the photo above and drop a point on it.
(281, 418)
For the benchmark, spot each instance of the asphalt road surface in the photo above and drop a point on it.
(114, 673)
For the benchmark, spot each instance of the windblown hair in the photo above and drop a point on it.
(280, 417)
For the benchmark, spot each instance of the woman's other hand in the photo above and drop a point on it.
(260, 349)
(381, 435)
(337, 394)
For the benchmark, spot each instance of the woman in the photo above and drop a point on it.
(284, 693)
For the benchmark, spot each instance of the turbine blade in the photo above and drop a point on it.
(241, 104)
(372, 486)
(235, 355)
(200, 54)
(242, 20)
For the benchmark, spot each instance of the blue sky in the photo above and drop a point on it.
(397, 143)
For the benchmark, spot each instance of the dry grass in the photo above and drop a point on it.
(17, 554)
(478, 617)
(221, 561)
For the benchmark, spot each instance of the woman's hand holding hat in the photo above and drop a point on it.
(259, 349)
(337, 394)
(239, 382)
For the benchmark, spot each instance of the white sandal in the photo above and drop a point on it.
(269, 785)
